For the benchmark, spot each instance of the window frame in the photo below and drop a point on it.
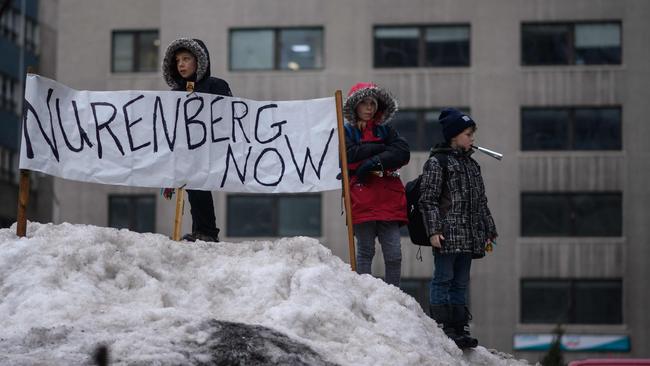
(276, 48)
(275, 211)
(571, 132)
(572, 310)
(571, 56)
(422, 48)
(135, 64)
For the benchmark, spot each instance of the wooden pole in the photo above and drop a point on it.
(23, 199)
(178, 218)
(346, 179)
(23, 186)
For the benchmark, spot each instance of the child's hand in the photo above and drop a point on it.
(489, 245)
(167, 193)
(435, 240)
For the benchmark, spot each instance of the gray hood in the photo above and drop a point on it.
(198, 49)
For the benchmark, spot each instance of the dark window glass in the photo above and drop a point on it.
(420, 127)
(598, 43)
(545, 215)
(6, 222)
(251, 215)
(406, 124)
(299, 215)
(252, 49)
(301, 49)
(6, 164)
(571, 214)
(133, 212)
(544, 129)
(135, 51)
(571, 129)
(598, 302)
(276, 49)
(397, 47)
(545, 301)
(571, 44)
(432, 132)
(447, 46)
(425, 46)
(274, 215)
(597, 129)
(571, 301)
(545, 44)
(597, 215)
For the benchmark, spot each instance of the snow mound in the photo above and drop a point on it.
(64, 289)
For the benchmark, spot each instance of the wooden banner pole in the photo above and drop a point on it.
(23, 199)
(346, 179)
(178, 218)
(23, 185)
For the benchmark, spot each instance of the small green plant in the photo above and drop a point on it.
(554, 356)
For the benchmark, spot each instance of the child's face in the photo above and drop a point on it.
(464, 140)
(366, 109)
(185, 64)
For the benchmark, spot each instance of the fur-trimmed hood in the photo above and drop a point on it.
(198, 49)
(386, 108)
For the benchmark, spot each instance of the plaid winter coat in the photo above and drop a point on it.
(454, 204)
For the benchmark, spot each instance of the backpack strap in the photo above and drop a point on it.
(445, 199)
(352, 133)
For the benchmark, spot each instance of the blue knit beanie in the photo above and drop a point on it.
(454, 122)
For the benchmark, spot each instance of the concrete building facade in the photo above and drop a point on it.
(500, 87)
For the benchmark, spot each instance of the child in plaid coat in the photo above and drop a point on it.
(458, 222)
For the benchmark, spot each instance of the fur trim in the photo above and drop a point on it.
(170, 74)
(386, 108)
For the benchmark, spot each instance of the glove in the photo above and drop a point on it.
(167, 193)
(366, 167)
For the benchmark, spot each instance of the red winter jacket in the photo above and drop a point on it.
(377, 198)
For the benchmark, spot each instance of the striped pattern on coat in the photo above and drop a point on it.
(465, 222)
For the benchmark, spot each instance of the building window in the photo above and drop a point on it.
(32, 37)
(135, 51)
(276, 49)
(133, 212)
(421, 46)
(571, 214)
(571, 301)
(10, 24)
(571, 128)
(420, 127)
(571, 43)
(8, 88)
(274, 215)
(6, 164)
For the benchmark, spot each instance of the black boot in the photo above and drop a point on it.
(460, 319)
(442, 314)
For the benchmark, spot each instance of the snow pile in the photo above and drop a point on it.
(67, 288)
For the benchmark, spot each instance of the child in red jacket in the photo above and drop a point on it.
(375, 152)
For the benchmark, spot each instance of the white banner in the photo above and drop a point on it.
(173, 139)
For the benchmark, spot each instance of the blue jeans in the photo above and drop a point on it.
(389, 238)
(450, 279)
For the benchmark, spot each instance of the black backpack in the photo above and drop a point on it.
(417, 231)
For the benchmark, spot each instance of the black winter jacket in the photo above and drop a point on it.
(465, 220)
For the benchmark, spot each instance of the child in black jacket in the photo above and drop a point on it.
(186, 67)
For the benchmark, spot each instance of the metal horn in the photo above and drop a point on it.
(489, 152)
